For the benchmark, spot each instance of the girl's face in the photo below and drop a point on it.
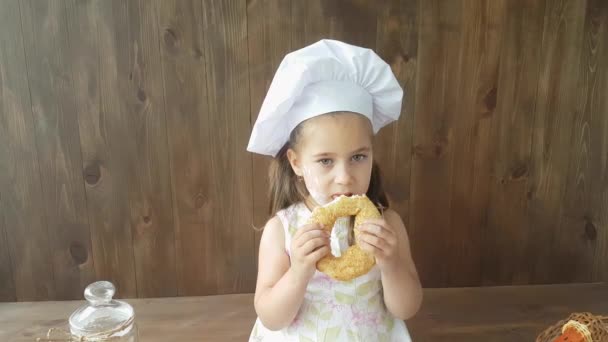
(334, 156)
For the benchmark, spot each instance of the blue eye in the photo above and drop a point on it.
(359, 157)
(324, 162)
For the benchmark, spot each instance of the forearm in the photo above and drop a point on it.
(277, 306)
(402, 291)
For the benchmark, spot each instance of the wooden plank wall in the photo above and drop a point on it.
(123, 127)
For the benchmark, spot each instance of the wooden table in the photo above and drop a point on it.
(513, 313)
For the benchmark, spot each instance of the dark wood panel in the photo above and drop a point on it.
(125, 145)
(551, 245)
(147, 161)
(7, 283)
(57, 137)
(185, 88)
(472, 139)
(582, 226)
(397, 44)
(227, 72)
(600, 262)
(268, 42)
(433, 139)
(351, 21)
(505, 233)
(30, 275)
(131, 119)
(97, 60)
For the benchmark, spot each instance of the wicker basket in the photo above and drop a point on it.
(598, 326)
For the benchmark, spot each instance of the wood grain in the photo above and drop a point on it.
(124, 126)
(351, 21)
(505, 313)
(185, 92)
(46, 43)
(96, 56)
(149, 190)
(125, 146)
(582, 223)
(473, 138)
(600, 267)
(30, 274)
(438, 73)
(7, 283)
(505, 232)
(517, 313)
(550, 243)
(231, 171)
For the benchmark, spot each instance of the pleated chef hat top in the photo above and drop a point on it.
(327, 76)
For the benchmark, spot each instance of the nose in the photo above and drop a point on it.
(343, 175)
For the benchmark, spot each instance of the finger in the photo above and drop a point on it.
(373, 240)
(313, 244)
(306, 228)
(378, 231)
(369, 248)
(373, 230)
(379, 223)
(319, 253)
(309, 235)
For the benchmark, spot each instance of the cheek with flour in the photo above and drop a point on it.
(314, 188)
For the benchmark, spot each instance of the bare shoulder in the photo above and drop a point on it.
(273, 234)
(273, 262)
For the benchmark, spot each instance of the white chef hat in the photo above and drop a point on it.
(325, 77)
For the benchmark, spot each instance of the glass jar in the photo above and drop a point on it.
(103, 318)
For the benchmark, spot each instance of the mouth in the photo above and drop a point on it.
(336, 195)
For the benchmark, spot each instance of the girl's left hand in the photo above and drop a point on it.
(380, 239)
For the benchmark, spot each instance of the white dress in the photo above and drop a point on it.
(335, 310)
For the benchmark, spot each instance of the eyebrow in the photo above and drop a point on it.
(359, 150)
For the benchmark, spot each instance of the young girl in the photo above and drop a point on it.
(318, 119)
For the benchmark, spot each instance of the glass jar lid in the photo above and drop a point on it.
(102, 317)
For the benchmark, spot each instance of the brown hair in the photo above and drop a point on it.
(286, 189)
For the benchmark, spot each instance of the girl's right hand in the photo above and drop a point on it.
(310, 244)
